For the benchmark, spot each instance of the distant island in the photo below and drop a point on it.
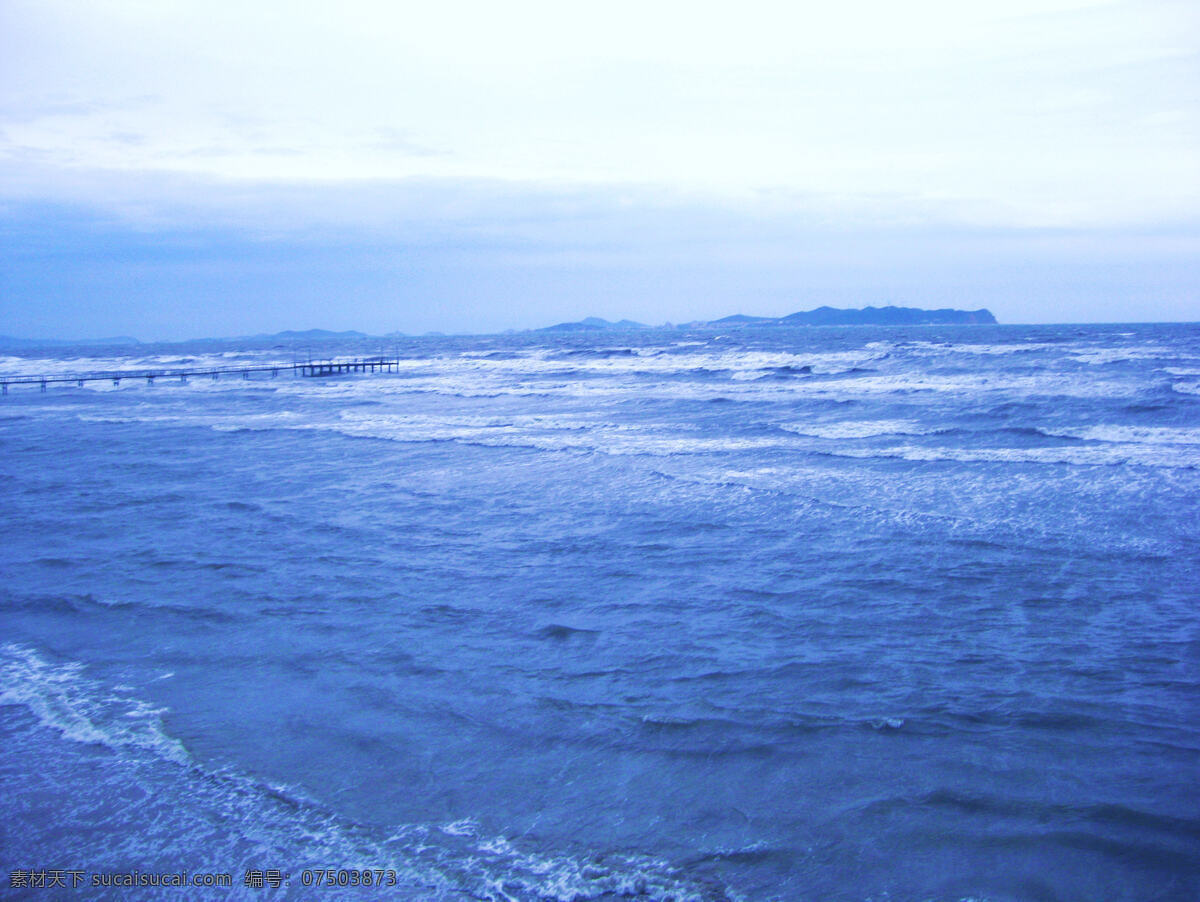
(595, 324)
(11, 341)
(822, 316)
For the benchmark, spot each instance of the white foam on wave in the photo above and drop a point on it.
(1100, 355)
(1138, 435)
(566, 431)
(702, 373)
(1082, 352)
(1087, 352)
(1034, 385)
(465, 827)
(64, 700)
(1098, 455)
(668, 377)
(271, 822)
(544, 368)
(558, 433)
(933, 349)
(218, 422)
(65, 366)
(855, 428)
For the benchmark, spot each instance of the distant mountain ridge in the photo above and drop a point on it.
(310, 335)
(595, 324)
(822, 316)
(11, 341)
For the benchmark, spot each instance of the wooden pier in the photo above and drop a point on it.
(310, 368)
(341, 367)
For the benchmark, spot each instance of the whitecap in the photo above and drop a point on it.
(64, 700)
(269, 821)
(855, 428)
(1144, 435)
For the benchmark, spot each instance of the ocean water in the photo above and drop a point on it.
(813, 614)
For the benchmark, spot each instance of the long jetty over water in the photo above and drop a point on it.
(331, 367)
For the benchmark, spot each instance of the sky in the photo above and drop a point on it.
(172, 170)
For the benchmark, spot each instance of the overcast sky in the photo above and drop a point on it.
(171, 170)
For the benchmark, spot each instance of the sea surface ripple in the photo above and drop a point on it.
(795, 614)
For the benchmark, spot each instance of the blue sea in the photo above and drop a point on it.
(863, 613)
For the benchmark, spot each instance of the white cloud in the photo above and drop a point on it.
(1017, 113)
